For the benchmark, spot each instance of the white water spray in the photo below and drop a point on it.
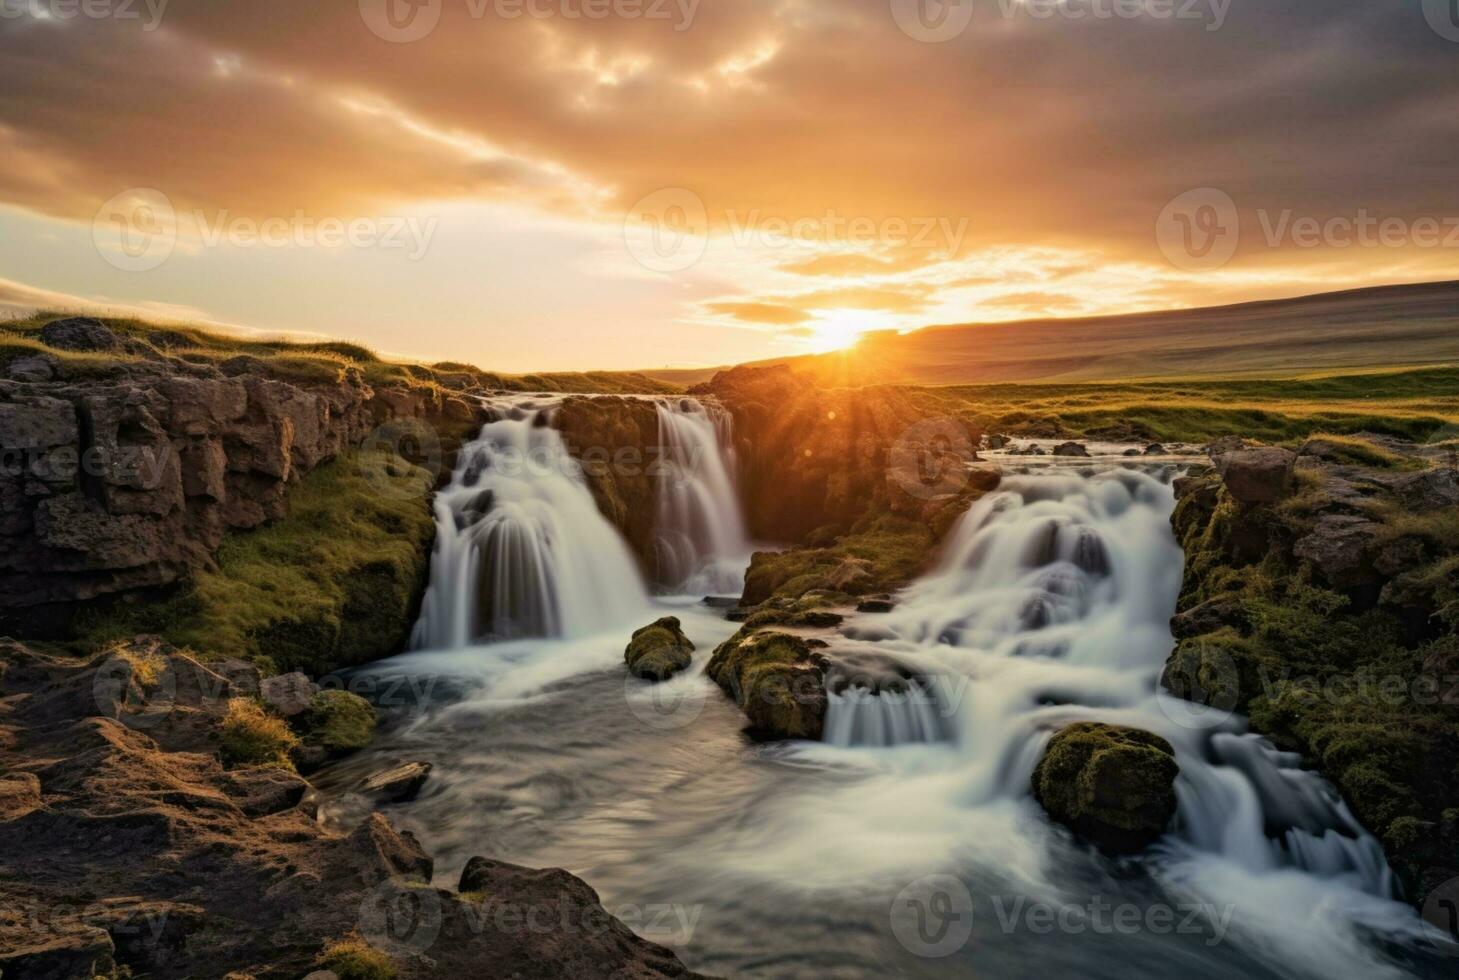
(700, 543)
(521, 549)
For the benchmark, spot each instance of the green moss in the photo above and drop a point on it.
(352, 959)
(1112, 785)
(335, 583)
(777, 679)
(1361, 684)
(880, 555)
(250, 736)
(659, 650)
(339, 721)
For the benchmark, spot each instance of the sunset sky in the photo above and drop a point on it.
(528, 185)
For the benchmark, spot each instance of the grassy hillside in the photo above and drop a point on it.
(1420, 404)
(1391, 326)
(290, 360)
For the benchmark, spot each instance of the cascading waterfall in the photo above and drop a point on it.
(521, 549)
(701, 546)
(1051, 606)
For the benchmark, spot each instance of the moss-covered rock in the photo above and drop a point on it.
(1111, 785)
(335, 583)
(338, 721)
(659, 650)
(777, 679)
(614, 441)
(1350, 662)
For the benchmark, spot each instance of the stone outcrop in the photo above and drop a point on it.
(1328, 614)
(659, 650)
(816, 459)
(1112, 786)
(131, 483)
(127, 849)
(1257, 476)
(777, 679)
(615, 440)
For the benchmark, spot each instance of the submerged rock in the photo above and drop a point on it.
(1112, 786)
(1070, 449)
(777, 679)
(659, 650)
(397, 784)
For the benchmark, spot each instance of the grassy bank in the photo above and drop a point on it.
(334, 583)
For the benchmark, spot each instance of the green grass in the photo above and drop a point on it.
(352, 959)
(1415, 404)
(332, 584)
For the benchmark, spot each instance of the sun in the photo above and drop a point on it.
(839, 330)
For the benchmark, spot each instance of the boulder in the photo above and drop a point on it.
(1070, 449)
(1257, 476)
(80, 333)
(1339, 547)
(876, 604)
(1155, 449)
(1428, 490)
(397, 784)
(997, 441)
(1112, 786)
(1225, 444)
(288, 694)
(338, 721)
(777, 679)
(33, 369)
(658, 651)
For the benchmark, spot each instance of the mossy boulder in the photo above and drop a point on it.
(659, 650)
(338, 721)
(777, 679)
(1112, 786)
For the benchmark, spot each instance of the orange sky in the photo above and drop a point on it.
(696, 182)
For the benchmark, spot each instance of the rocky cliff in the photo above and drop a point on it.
(132, 481)
(1321, 599)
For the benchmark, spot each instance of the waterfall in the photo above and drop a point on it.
(700, 543)
(1051, 605)
(521, 549)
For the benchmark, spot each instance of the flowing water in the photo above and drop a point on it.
(701, 545)
(907, 843)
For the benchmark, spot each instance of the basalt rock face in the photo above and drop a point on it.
(126, 846)
(1321, 600)
(615, 441)
(129, 484)
(816, 459)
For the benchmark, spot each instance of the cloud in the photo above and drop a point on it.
(768, 313)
